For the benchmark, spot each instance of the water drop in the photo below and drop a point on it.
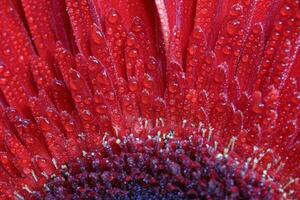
(87, 115)
(192, 49)
(132, 53)
(97, 35)
(145, 97)
(245, 58)
(113, 16)
(285, 10)
(226, 50)
(3, 81)
(172, 87)
(70, 126)
(111, 96)
(137, 25)
(152, 63)
(88, 101)
(197, 33)
(236, 10)
(278, 25)
(193, 62)
(219, 75)
(233, 26)
(148, 82)
(74, 80)
(44, 124)
(103, 79)
(101, 109)
(130, 40)
(6, 52)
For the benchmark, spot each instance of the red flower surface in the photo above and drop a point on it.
(163, 99)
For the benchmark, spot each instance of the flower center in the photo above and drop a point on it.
(156, 168)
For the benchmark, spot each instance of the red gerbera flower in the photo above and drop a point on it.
(164, 99)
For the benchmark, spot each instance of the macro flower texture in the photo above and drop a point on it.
(149, 99)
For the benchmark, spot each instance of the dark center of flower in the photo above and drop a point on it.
(156, 168)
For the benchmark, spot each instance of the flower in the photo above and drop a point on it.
(155, 99)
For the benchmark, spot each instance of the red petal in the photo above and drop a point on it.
(83, 15)
(129, 9)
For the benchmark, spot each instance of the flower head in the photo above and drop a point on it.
(194, 99)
